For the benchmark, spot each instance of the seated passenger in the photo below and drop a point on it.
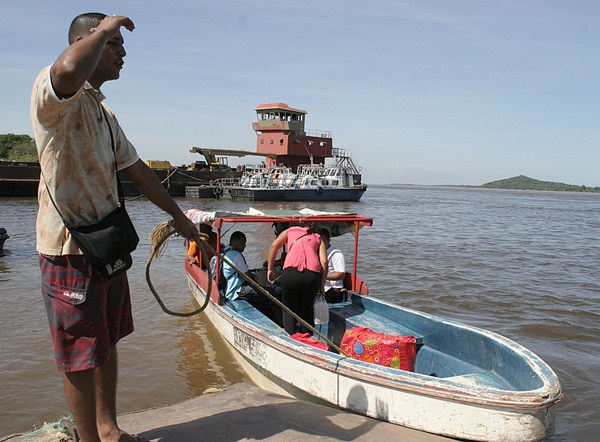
(237, 288)
(194, 255)
(336, 271)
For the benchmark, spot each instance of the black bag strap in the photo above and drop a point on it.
(294, 242)
(119, 186)
(112, 146)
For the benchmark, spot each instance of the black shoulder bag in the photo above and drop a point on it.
(109, 242)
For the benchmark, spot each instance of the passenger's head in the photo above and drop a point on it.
(237, 240)
(311, 227)
(206, 228)
(325, 236)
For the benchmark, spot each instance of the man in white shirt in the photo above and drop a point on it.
(336, 271)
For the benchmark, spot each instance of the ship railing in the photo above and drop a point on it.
(254, 167)
(225, 182)
(343, 158)
(311, 169)
(318, 133)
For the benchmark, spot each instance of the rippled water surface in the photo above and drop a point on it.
(522, 264)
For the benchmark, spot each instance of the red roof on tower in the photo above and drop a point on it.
(269, 106)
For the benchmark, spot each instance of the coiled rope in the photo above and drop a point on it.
(158, 241)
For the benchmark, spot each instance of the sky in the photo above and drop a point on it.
(421, 92)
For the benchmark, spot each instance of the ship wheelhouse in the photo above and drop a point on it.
(280, 130)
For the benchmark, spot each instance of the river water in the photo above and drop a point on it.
(522, 264)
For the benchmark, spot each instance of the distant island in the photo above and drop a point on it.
(522, 182)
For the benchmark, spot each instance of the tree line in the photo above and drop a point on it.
(17, 148)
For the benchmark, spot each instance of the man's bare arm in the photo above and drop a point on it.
(147, 182)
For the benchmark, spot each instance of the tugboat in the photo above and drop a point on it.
(294, 168)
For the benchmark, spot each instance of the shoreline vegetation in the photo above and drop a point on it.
(18, 148)
(523, 182)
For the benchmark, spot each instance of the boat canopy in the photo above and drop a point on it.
(337, 223)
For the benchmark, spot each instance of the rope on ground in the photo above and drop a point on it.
(158, 242)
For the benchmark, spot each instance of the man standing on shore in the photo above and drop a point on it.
(74, 133)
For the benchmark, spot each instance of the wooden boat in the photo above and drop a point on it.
(468, 383)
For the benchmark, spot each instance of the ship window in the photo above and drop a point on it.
(281, 141)
(262, 141)
(271, 141)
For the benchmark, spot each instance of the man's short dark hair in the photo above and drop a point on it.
(325, 233)
(236, 236)
(81, 25)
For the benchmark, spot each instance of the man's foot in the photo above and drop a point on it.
(125, 437)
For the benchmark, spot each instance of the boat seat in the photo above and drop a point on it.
(250, 313)
(345, 315)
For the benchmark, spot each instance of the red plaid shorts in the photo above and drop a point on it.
(87, 314)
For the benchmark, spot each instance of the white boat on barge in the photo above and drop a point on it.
(339, 181)
(468, 383)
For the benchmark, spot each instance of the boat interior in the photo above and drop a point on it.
(444, 349)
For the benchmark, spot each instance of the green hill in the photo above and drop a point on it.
(522, 182)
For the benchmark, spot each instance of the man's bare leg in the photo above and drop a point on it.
(106, 401)
(106, 398)
(80, 394)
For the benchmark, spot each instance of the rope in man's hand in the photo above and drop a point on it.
(158, 241)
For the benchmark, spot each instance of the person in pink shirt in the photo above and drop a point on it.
(304, 273)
